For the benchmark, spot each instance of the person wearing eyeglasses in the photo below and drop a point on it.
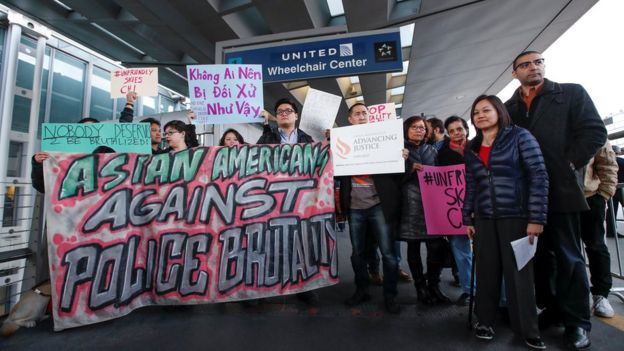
(286, 114)
(569, 130)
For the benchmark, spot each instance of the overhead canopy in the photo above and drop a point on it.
(460, 48)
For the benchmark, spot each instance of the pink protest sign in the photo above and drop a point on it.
(442, 190)
(203, 225)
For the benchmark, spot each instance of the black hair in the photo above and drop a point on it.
(453, 119)
(290, 102)
(503, 116)
(436, 123)
(151, 121)
(410, 121)
(524, 53)
(353, 106)
(88, 120)
(235, 132)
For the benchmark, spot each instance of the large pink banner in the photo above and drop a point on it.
(202, 225)
(442, 190)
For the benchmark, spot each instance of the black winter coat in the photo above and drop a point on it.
(448, 157)
(271, 136)
(514, 186)
(568, 129)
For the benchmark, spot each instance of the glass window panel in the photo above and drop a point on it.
(101, 102)
(166, 104)
(23, 84)
(44, 88)
(149, 105)
(67, 89)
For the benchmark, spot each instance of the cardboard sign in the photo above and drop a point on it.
(319, 113)
(223, 94)
(143, 81)
(203, 225)
(381, 112)
(86, 137)
(368, 149)
(442, 190)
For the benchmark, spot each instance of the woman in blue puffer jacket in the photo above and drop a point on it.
(506, 199)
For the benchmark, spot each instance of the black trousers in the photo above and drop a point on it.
(436, 252)
(593, 235)
(494, 260)
(561, 283)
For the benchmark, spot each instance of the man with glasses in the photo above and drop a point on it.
(286, 114)
(563, 119)
(372, 205)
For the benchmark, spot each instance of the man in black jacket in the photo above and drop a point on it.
(286, 113)
(563, 119)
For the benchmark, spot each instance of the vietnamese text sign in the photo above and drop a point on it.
(381, 112)
(202, 225)
(339, 56)
(368, 148)
(442, 190)
(143, 81)
(223, 94)
(86, 137)
(319, 113)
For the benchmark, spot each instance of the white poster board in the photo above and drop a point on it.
(368, 148)
(381, 112)
(319, 113)
(143, 81)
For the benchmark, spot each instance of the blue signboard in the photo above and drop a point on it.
(345, 55)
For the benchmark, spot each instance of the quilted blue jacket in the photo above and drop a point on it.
(515, 185)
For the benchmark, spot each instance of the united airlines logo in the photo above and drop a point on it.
(346, 49)
(385, 51)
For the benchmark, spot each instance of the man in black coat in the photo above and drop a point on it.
(286, 113)
(563, 119)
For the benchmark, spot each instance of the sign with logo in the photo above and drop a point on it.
(143, 81)
(368, 148)
(339, 55)
(381, 112)
(87, 137)
(442, 190)
(223, 94)
(319, 113)
(203, 225)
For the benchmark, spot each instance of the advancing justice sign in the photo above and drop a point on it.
(341, 55)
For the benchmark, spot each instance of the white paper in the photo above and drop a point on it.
(374, 148)
(523, 250)
(319, 113)
(143, 81)
(381, 112)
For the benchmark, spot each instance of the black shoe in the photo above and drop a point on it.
(535, 343)
(310, 298)
(548, 318)
(577, 338)
(422, 294)
(437, 295)
(359, 297)
(391, 305)
(484, 332)
(463, 299)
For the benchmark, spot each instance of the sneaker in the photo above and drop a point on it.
(404, 276)
(602, 307)
(463, 299)
(358, 298)
(484, 332)
(376, 279)
(391, 305)
(535, 343)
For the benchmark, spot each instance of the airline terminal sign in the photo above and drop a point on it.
(334, 56)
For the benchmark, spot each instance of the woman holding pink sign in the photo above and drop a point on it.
(506, 199)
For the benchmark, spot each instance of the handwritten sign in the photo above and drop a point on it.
(367, 149)
(143, 81)
(223, 94)
(86, 137)
(319, 113)
(381, 112)
(203, 225)
(442, 190)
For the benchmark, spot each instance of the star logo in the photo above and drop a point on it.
(385, 51)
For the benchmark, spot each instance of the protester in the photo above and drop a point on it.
(371, 206)
(176, 136)
(452, 153)
(412, 223)
(231, 137)
(600, 182)
(569, 130)
(506, 199)
(435, 133)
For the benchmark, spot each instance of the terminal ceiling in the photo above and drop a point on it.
(460, 48)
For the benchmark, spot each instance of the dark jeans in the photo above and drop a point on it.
(561, 283)
(436, 251)
(617, 197)
(593, 235)
(372, 220)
